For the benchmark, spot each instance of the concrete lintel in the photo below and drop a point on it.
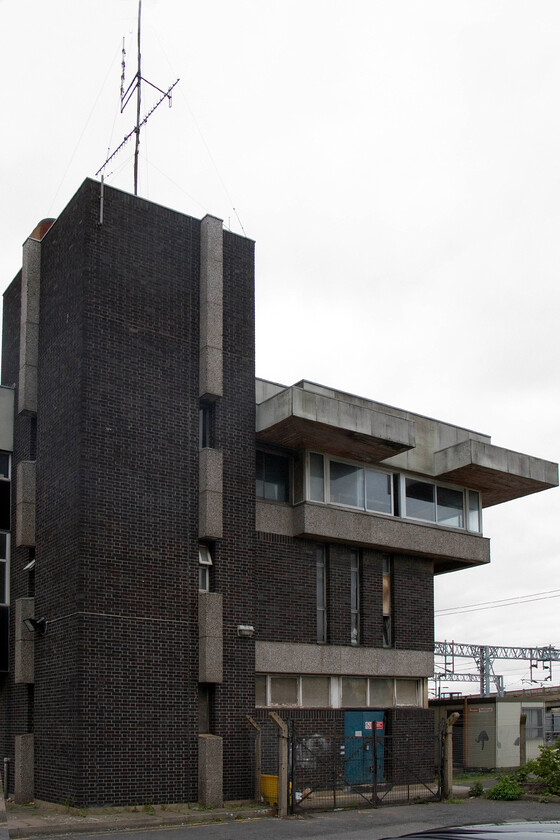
(341, 660)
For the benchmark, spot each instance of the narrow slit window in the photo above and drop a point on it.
(204, 566)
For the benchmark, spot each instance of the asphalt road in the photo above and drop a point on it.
(346, 825)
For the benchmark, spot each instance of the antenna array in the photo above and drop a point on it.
(126, 95)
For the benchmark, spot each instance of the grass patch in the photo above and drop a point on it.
(475, 776)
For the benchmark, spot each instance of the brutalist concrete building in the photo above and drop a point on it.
(189, 547)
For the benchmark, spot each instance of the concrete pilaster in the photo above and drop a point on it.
(211, 637)
(24, 769)
(210, 771)
(25, 503)
(211, 496)
(24, 654)
(29, 326)
(211, 308)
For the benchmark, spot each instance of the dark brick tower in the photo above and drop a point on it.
(121, 332)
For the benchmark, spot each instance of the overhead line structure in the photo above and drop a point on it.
(484, 656)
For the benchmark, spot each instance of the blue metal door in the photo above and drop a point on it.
(360, 730)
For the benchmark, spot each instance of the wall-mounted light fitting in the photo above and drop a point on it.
(247, 631)
(36, 625)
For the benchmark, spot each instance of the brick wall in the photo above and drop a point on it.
(16, 706)
(413, 603)
(286, 595)
(286, 591)
(234, 570)
(116, 692)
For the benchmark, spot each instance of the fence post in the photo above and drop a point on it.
(522, 740)
(447, 780)
(258, 754)
(282, 763)
(374, 769)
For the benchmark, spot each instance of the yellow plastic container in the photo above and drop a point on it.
(269, 789)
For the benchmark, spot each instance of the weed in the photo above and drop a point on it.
(547, 768)
(476, 789)
(507, 789)
(148, 808)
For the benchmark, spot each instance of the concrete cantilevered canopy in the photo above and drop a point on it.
(300, 419)
(499, 474)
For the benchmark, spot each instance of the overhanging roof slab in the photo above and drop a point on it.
(297, 419)
(498, 474)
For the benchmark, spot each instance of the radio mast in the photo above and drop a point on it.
(126, 95)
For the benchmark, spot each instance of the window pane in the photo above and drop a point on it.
(283, 691)
(2, 583)
(474, 511)
(320, 584)
(203, 709)
(407, 692)
(298, 480)
(260, 690)
(534, 723)
(316, 477)
(315, 691)
(203, 578)
(204, 556)
(378, 491)
(272, 477)
(4, 465)
(204, 426)
(355, 581)
(321, 594)
(387, 636)
(3, 546)
(355, 598)
(321, 625)
(420, 500)
(450, 507)
(347, 484)
(5, 524)
(381, 692)
(354, 691)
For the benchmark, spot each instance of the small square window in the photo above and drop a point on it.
(283, 691)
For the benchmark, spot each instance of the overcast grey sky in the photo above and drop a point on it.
(397, 164)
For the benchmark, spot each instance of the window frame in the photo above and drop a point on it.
(355, 596)
(5, 561)
(204, 565)
(335, 690)
(289, 477)
(397, 483)
(327, 498)
(321, 609)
